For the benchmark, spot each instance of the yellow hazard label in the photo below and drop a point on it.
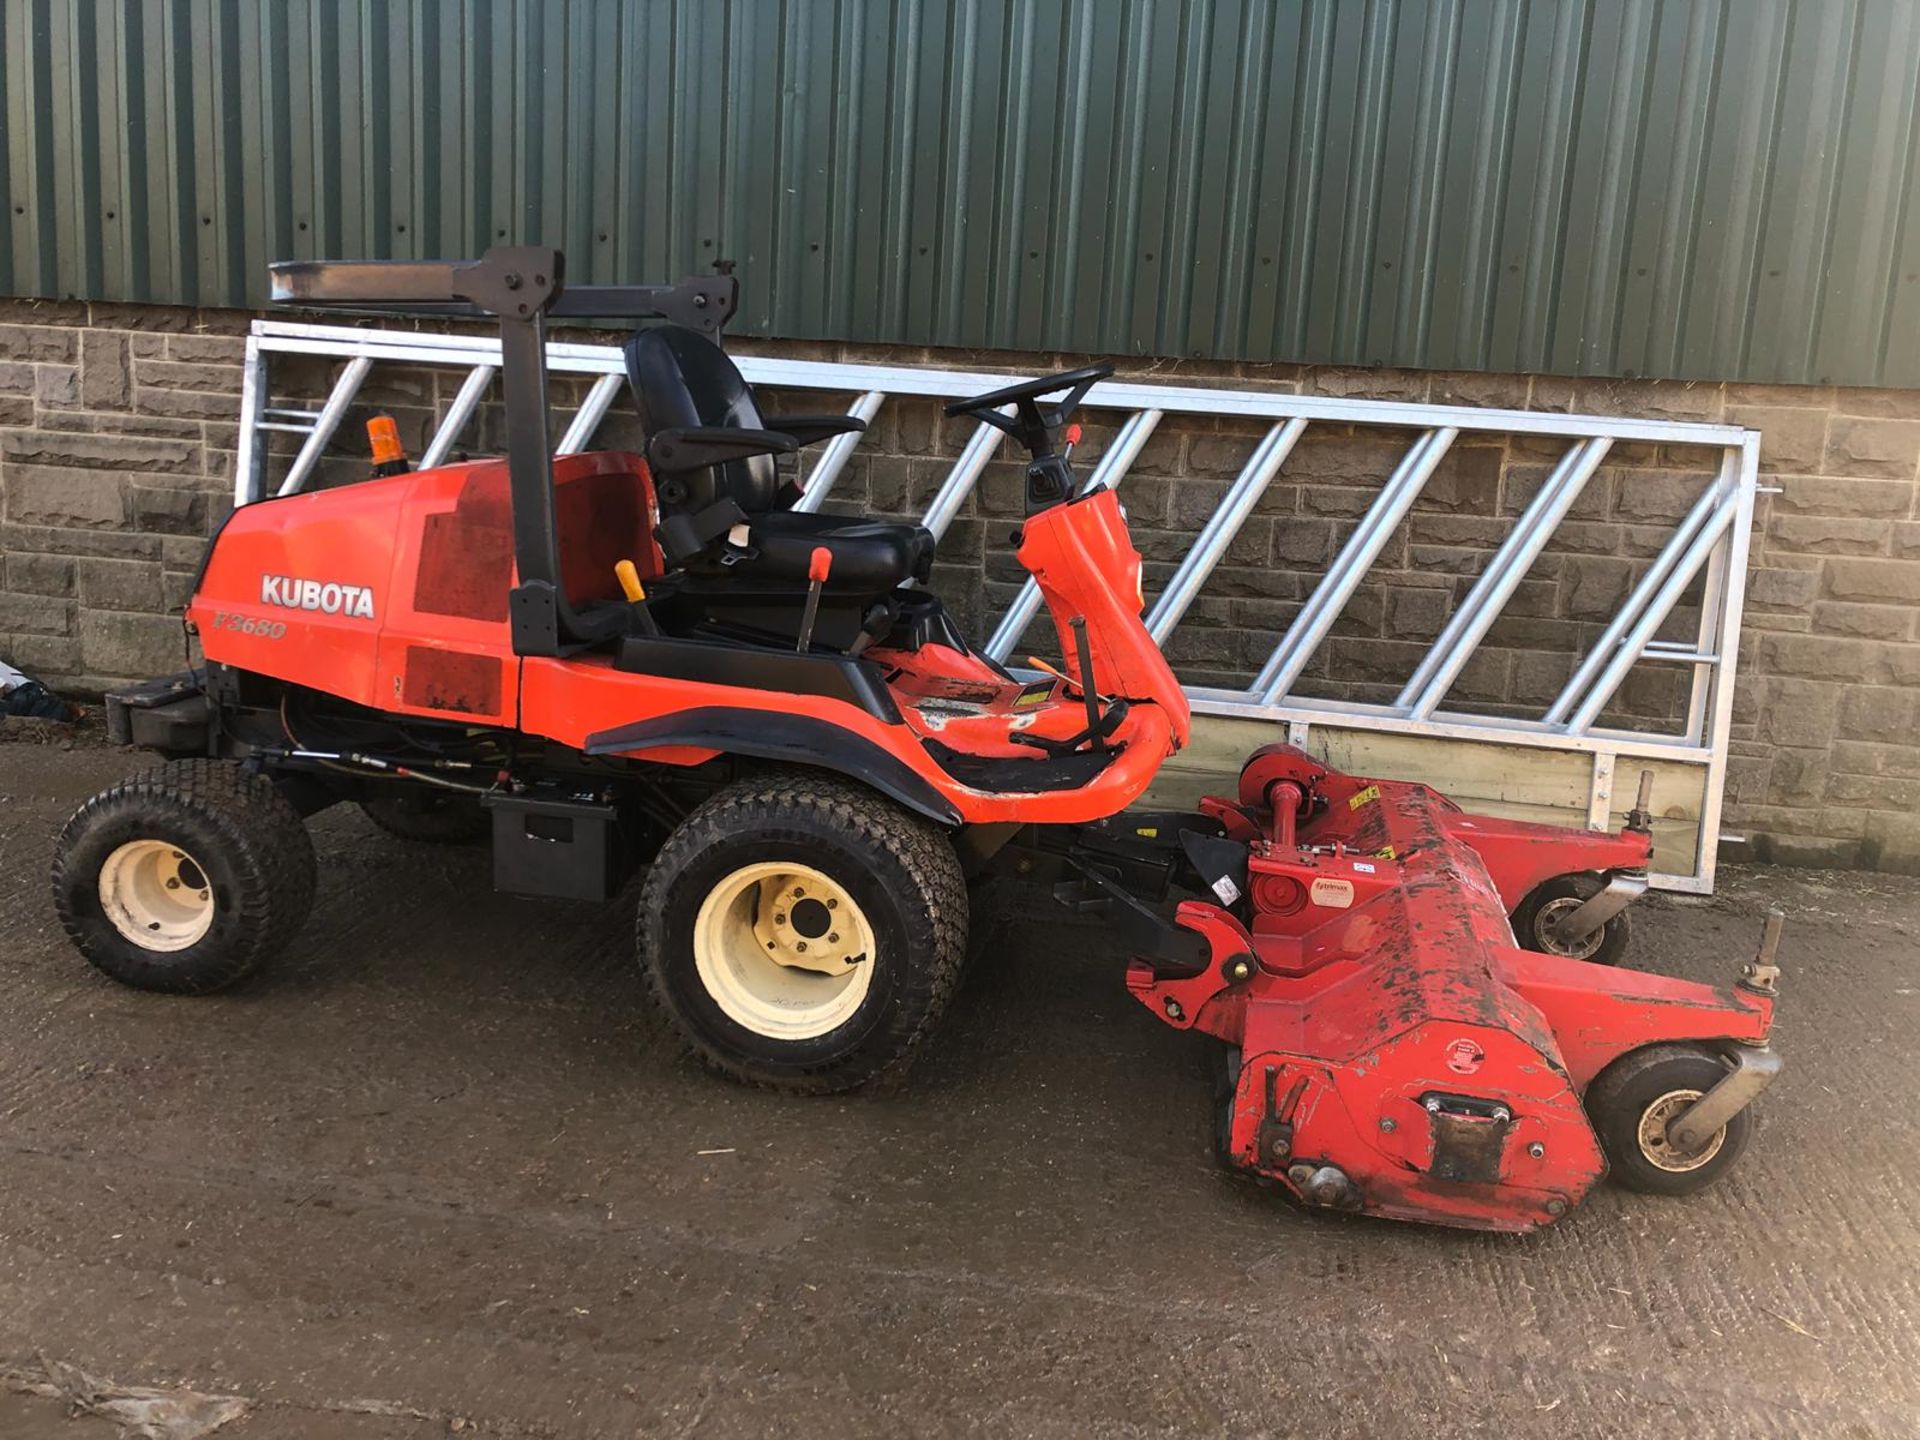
(1365, 797)
(1151, 833)
(1034, 696)
(1385, 852)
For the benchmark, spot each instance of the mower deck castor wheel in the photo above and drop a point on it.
(438, 817)
(801, 932)
(184, 878)
(1549, 902)
(1633, 1101)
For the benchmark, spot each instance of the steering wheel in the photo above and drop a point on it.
(1049, 480)
(1033, 424)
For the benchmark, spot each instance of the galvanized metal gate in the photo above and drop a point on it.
(1709, 544)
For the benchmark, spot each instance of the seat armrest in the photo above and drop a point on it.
(672, 452)
(811, 429)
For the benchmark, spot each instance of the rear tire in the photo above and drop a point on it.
(1549, 900)
(437, 817)
(1633, 1100)
(184, 878)
(803, 933)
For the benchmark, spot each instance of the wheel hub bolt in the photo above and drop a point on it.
(833, 904)
(801, 946)
(833, 938)
(779, 917)
(173, 884)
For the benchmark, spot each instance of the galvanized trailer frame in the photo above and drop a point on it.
(1710, 542)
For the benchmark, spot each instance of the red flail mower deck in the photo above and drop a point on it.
(1397, 1053)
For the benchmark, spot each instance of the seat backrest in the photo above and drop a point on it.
(682, 379)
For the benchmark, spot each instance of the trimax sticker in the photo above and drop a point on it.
(1365, 797)
(1334, 894)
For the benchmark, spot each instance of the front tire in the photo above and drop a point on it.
(801, 932)
(184, 878)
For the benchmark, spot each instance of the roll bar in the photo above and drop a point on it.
(520, 285)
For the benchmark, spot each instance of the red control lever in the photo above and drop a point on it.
(819, 566)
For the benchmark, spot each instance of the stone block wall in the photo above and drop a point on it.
(117, 439)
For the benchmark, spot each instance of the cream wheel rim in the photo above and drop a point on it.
(1661, 1151)
(1551, 914)
(156, 895)
(783, 950)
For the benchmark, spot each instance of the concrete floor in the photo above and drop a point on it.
(437, 1172)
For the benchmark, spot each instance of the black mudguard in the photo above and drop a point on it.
(766, 735)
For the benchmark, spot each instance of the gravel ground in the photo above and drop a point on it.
(436, 1172)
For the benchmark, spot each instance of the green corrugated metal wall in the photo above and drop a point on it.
(1703, 188)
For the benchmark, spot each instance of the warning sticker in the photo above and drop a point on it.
(1385, 852)
(1365, 797)
(1334, 894)
(1034, 696)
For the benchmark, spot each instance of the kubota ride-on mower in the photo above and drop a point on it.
(604, 661)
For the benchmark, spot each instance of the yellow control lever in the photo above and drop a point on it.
(629, 579)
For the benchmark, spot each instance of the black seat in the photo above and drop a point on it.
(684, 385)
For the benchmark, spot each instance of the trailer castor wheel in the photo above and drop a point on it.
(184, 878)
(802, 932)
(1549, 901)
(1632, 1102)
(438, 817)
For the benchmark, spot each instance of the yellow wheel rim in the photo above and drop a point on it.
(156, 895)
(784, 950)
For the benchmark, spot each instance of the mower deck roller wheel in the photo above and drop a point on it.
(1550, 902)
(801, 932)
(184, 878)
(1633, 1101)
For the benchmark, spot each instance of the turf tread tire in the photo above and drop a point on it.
(241, 828)
(937, 906)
